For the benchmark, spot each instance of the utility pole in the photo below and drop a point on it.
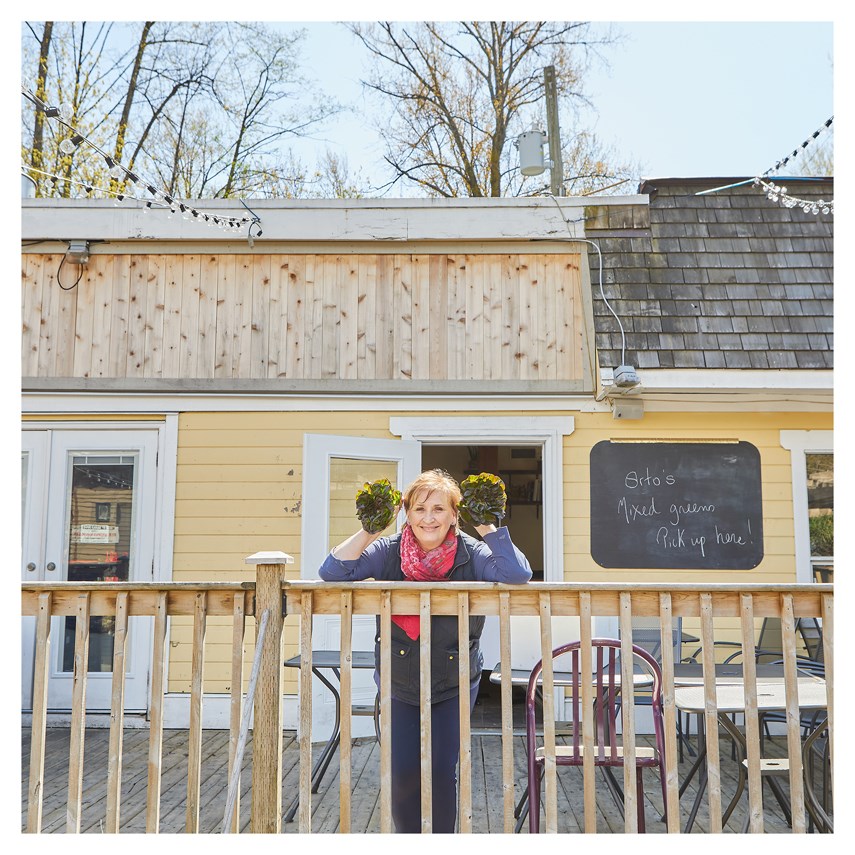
(556, 180)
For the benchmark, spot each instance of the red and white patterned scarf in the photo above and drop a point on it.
(420, 566)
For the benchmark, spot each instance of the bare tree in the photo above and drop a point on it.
(203, 108)
(41, 77)
(460, 90)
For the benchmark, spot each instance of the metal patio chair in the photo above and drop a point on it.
(608, 754)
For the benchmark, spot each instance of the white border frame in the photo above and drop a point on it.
(547, 431)
(800, 443)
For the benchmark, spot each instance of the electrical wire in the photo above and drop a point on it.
(59, 276)
(600, 265)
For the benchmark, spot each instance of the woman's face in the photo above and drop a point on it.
(430, 517)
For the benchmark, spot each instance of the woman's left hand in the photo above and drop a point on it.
(485, 529)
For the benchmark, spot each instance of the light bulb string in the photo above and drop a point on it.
(160, 205)
(164, 200)
(796, 151)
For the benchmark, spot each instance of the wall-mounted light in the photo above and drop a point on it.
(77, 252)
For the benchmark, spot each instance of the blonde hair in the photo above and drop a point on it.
(433, 480)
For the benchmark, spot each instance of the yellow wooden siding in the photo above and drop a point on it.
(239, 490)
(307, 317)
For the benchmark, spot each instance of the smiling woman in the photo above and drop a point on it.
(429, 549)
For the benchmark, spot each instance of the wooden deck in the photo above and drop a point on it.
(486, 789)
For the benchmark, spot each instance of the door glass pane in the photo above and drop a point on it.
(347, 477)
(99, 541)
(820, 481)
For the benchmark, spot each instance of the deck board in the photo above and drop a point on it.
(365, 805)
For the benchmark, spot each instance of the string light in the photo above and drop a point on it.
(778, 194)
(69, 145)
(774, 193)
(801, 148)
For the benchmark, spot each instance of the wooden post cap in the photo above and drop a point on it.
(269, 558)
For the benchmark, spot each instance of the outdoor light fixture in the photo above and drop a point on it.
(626, 377)
(77, 252)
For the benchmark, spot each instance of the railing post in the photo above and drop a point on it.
(266, 814)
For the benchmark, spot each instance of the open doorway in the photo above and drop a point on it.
(521, 468)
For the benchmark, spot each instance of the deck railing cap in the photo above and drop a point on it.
(269, 558)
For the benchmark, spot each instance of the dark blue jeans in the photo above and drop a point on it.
(406, 764)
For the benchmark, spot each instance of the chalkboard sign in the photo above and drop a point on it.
(674, 505)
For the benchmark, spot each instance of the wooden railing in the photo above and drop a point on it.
(125, 601)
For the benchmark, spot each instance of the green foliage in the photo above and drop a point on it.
(822, 534)
(484, 499)
(376, 505)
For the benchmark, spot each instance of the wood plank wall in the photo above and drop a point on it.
(343, 316)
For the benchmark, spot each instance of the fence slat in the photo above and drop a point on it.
(630, 773)
(194, 739)
(236, 699)
(78, 715)
(669, 716)
(463, 679)
(710, 712)
(507, 713)
(550, 795)
(828, 658)
(35, 796)
(346, 694)
(791, 693)
(752, 720)
(425, 667)
(586, 668)
(155, 736)
(386, 713)
(305, 814)
(117, 712)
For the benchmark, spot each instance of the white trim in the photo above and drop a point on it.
(95, 403)
(719, 380)
(297, 220)
(167, 476)
(799, 443)
(548, 431)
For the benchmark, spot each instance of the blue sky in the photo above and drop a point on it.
(681, 98)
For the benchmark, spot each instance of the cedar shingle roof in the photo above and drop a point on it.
(726, 280)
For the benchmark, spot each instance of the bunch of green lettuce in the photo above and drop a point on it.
(484, 499)
(376, 505)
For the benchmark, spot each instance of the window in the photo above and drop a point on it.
(812, 460)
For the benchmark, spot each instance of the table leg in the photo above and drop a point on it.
(699, 767)
(323, 761)
(740, 747)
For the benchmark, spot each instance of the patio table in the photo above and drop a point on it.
(730, 699)
(330, 660)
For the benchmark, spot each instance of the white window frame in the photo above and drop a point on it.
(800, 443)
(546, 431)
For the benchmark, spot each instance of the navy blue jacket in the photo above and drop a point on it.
(495, 559)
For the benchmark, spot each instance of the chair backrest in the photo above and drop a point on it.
(604, 680)
(647, 634)
(810, 630)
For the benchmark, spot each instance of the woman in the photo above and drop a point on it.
(429, 548)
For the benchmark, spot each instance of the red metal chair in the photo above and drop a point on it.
(607, 752)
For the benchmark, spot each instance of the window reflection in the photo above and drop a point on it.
(820, 485)
(99, 542)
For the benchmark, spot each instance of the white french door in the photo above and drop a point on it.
(334, 468)
(88, 502)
